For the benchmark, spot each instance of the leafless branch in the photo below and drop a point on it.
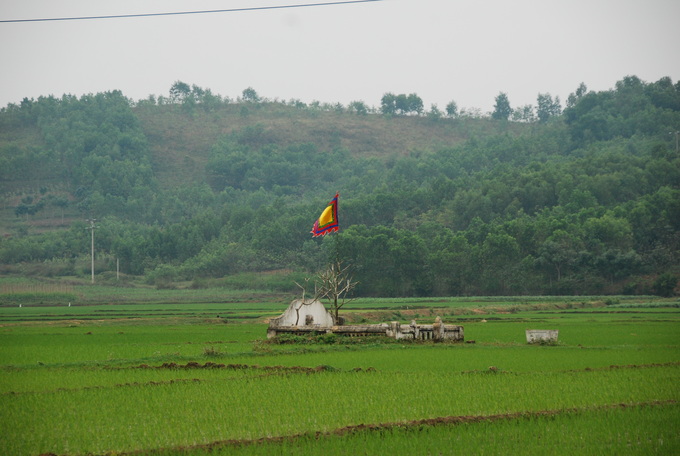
(336, 284)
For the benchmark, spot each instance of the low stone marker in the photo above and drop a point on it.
(541, 335)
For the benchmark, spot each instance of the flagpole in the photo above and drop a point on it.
(337, 233)
(335, 247)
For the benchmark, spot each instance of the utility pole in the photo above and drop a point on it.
(676, 133)
(92, 227)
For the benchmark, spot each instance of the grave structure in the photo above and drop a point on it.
(311, 317)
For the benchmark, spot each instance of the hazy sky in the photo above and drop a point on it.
(443, 50)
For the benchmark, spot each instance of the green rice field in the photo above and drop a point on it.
(171, 377)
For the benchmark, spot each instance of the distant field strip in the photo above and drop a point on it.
(241, 371)
(34, 288)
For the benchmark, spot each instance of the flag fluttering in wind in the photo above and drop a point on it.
(328, 221)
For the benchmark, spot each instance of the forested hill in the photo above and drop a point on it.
(192, 187)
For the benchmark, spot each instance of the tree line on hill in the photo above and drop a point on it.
(585, 201)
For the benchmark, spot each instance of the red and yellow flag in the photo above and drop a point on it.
(328, 221)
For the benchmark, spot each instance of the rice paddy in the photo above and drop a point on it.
(195, 379)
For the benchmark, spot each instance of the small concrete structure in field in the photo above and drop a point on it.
(541, 335)
(311, 317)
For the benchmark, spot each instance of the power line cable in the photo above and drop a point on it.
(178, 13)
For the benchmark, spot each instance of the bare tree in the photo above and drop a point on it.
(335, 283)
